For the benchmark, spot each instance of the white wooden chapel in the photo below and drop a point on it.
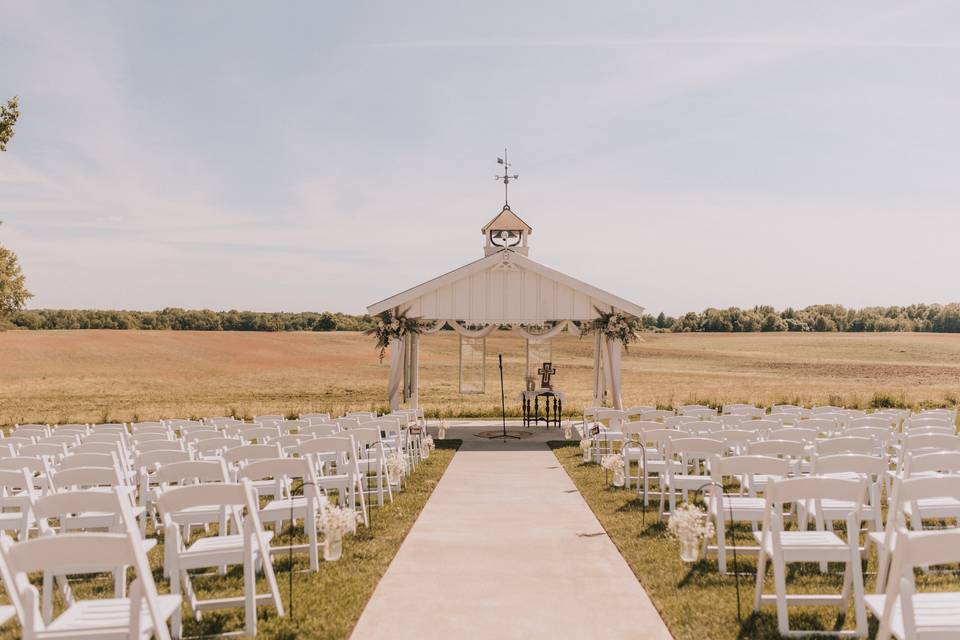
(504, 289)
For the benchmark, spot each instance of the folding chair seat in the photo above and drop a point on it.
(905, 614)
(143, 615)
(780, 548)
(249, 547)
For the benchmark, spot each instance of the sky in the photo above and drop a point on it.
(324, 155)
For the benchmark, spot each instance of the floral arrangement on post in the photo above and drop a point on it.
(335, 522)
(614, 325)
(689, 524)
(614, 462)
(397, 467)
(586, 446)
(390, 326)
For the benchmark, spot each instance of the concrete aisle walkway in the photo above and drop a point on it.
(507, 548)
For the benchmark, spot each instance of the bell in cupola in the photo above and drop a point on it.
(506, 231)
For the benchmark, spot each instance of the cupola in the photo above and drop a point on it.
(506, 231)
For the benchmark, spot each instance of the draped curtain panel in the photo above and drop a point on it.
(395, 381)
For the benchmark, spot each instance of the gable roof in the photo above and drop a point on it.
(508, 288)
(506, 220)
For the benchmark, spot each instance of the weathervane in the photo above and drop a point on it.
(506, 177)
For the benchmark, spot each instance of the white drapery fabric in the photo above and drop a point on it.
(546, 335)
(403, 383)
(612, 369)
(395, 381)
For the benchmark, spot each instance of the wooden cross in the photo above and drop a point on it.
(546, 371)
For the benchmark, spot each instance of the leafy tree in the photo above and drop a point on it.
(13, 290)
(8, 117)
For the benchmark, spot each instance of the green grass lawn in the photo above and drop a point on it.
(328, 603)
(695, 601)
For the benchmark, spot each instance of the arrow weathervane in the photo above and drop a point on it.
(506, 177)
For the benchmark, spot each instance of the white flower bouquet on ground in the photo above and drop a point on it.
(614, 462)
(586, 446)
(689, 524)
(334, 522)
(397, 467)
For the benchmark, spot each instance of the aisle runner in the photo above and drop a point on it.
(503, 549)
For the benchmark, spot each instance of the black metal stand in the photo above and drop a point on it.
(733, 547)
(503, 403)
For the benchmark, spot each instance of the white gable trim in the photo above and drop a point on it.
(597, 297)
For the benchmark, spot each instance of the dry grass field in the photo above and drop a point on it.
(59, 376)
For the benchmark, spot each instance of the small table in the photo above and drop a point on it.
(530, 401)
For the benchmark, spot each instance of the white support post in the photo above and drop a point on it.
(395, 382)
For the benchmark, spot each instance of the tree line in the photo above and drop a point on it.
(188, 320)
(818, 318)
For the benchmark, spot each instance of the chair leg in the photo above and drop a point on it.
(780, 583)
(761, 575)
(721, 546)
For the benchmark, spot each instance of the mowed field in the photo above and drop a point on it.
(67, 376)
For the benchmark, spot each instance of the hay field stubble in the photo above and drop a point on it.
(62, 376)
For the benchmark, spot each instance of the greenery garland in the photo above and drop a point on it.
(613, 326)
(389, 326)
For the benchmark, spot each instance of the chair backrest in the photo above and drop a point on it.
(160, 445)
(614, 418)
(43, 449)
(193, 471)
(68, 439)
(275, 417)
(321, 430)
(260, 434)
(849, 463)
(322, 417)
(216, 445)
(637, 427)
(148, 436)
(748, 465)
(826, 408)
(15, 463)
(932, 441)
(60, 505)
(98, 447)
(283, 468)
(947, 430)
(76, 460)
(748, 411)
(365, 437)
(873, 421)
(831, 446)
(763, 425)
(702, 427)
(636, 412)
(821, 425)
(939, 462)
(248, 452)
(343, 448)
(83, 477)
(695, 448)
(780, 448)
(149, 460)
(671, 421)
(200, 434)
(347, 423)
(790, 490)
(697, 411)
(881, 435)
(656, 414)
(793, 433)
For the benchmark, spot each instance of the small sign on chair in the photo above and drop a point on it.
(414, 431)
(594, 431)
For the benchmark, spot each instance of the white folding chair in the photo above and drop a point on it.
(249, 548)
(143, 615)
(337, 467)
(779, 548)
(905, 614)
(724, 508)
(687, 467)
